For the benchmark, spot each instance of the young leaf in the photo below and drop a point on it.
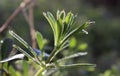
(68, 17)
(39, 38)
(62, 15)
(53, 25)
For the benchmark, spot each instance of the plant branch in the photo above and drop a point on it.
(31, 26)
(40, 71)
(14, 14)
(30, 20)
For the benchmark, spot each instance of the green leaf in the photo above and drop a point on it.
(68, 36)
(40, 41)
(73, 42)
(50, 19)
(25, 68)
(65, 30)
(53, 25)
(57, 15)
(70, 20)
(12, 71)
(78, 29)
(83, 46)
(59, 28)
(72, 56)
(68, 17)
(26, 53)
(61, 24)
(23, 42)
(76, 65)
(62, 15)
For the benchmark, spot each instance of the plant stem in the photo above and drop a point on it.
(55, 51)
(40, 71)
(52, 55)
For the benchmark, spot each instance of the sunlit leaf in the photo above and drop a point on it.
(53, 25)
(40, 41)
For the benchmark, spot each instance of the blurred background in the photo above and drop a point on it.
(102, 43)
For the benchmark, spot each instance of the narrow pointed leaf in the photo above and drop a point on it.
(57, 15)
(62, 15)
(50, 21)
(53, 25)
(23, 42)
(72, 56)
(24, 52)
(76, 65)
(59, 28)
(68, 17)
(76, 31)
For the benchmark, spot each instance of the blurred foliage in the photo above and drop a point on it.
(102, 42)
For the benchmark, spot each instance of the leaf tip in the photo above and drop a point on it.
(10, 31)
(44, 13)
(91, 22)
(84, 31)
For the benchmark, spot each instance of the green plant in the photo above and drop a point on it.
(64, 27)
